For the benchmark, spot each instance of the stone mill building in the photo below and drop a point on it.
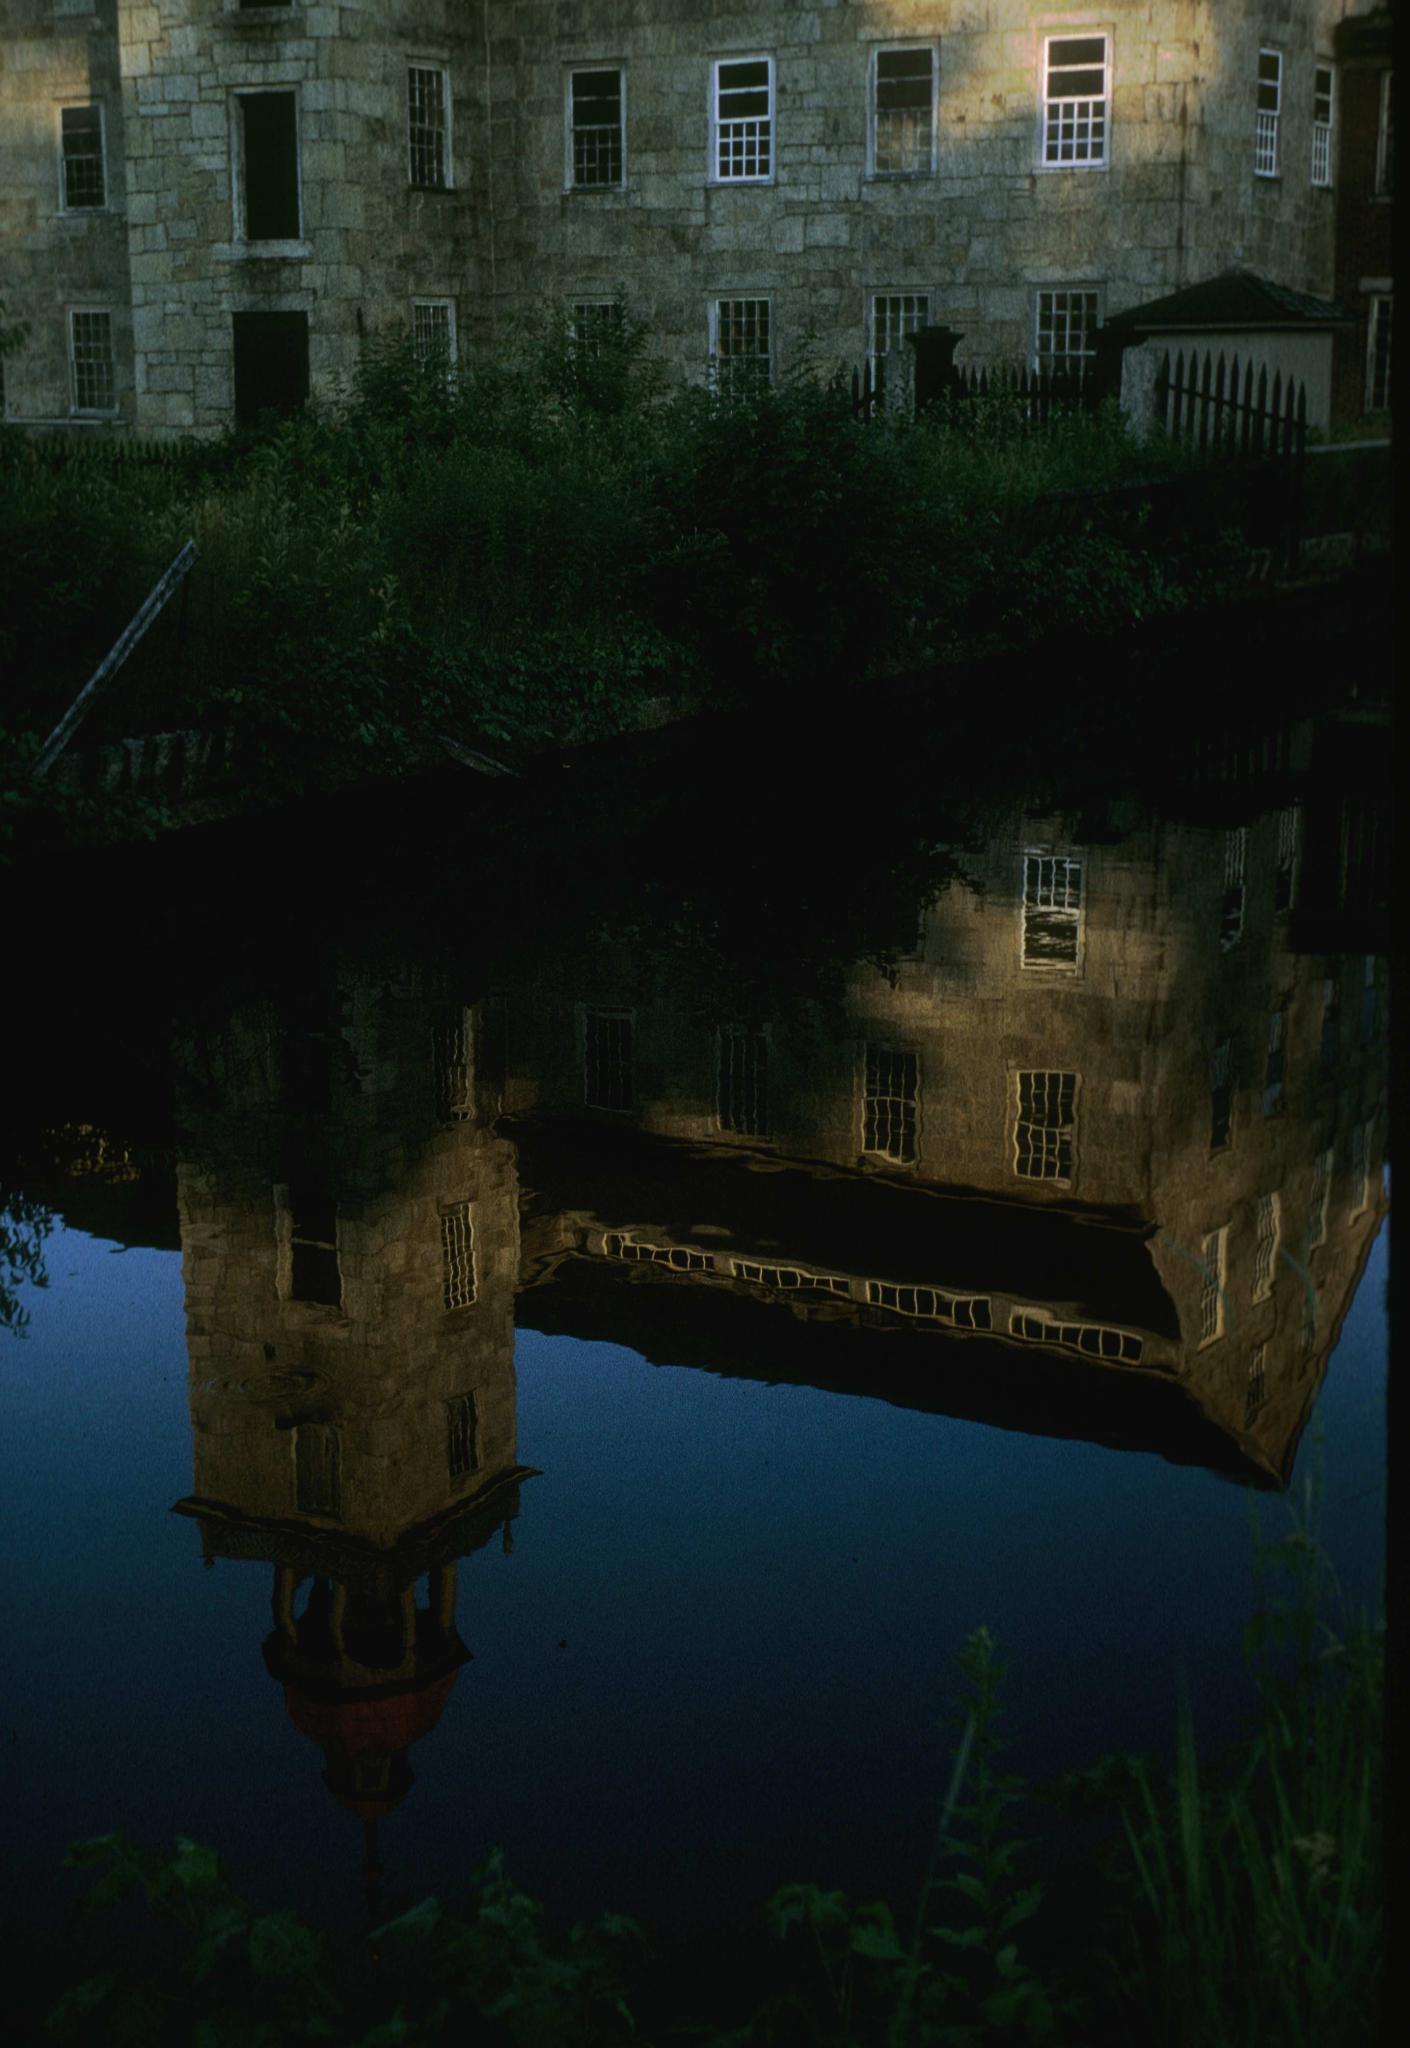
(206, 206)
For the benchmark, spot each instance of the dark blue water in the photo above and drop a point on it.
(714, 1660)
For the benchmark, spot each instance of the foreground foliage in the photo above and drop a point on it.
(1230, 1903)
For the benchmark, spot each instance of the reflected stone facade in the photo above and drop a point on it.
(207, 206)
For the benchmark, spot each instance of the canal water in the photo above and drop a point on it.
(551, 1352)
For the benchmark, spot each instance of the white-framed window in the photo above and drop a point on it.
(596, 130)
(1267, 1222)
(639, 1251)
(1323, 114)
(596, 324)
(1289, 844)
(462, 1436)
(891, 316)
(607, 1059)
(1268, 113)
(1075, 100)
(266, 186)
(1095, 1340)
(1065, 326)
(791, 1279)
(932, 1305)
(1257, 1382)
(904, 100)
(741, 345)
(1378, 354)
(83, 170)
(452, 1066)
(1045, 1125)
(1221, 1094)
(890, 1101)
(1273, 1072)
(1385, 139)
(428, 129)
(457, 1255)
(1231, 916)
(318, 1469)
(91, 368)
(1052, 924)
(1317, 1201)
(744, 1081)
(433, 333)
(1213, 1252)
(742, 120)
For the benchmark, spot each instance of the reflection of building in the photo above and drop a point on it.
(207, 204)
(350, 1251)
(1365, 282)
(1103, 1111)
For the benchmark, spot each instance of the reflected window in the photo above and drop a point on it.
(744, 1082)
(1211, 1294)
(607, 1056)
(1368, 1000)
(1094, 1340)
(1257, 1383)
(1052, 911)
(891, 1102)
(1075, 88)
(451, 1067)
(1277, 1056)
(1378, 353)
(1045, 1125)
(310, 1218)
(1317, 1202)
(457, 1255)
(1385, 138)
(929, 1305)
(903, 112)
(676, 1258)
(1285, 882)
(462, 1436)
(1231, 922)
(1267, 1217)
(1221, 1098)
(790, 1279)
(318, 1469)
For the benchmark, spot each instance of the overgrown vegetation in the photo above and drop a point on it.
(549, 544)
(1235, 1904)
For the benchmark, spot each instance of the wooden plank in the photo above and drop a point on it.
(113, 660)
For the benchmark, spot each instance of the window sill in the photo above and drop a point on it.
(432, 191)
(734, 184)
(90, 417)
(89, 212)
(596, 191)
(262, 252)
(1062, 170)
(900, 177)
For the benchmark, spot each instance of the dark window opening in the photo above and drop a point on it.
(313, 1238)
(84, 183)
(462, 1449)
(318, 1467)
(271, 364)
(271, 166)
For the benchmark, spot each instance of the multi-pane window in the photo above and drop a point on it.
(1385, 138)
(1095, 1340)
(1211, 1291)
(1075, 90)
(91, 360)
(1052, 911)
(318, 1469)
(1221, 1096)
(596, 129)
(1285, 881)
(1256, 1384)
(894, 315)
(462, 1436)
(433, 333)
(457, 1255)
(1277, 1058)
(741, 345)
(743, 120)
(1268, 113)
(930, 1305)
(1317, 1201)
(81, 140)
(1065, 331)
(676, 1258)
(428, 127)
(1322, 105)
(903, 112)
(1044, 1126)
(451, 1070)
(597, 324)
(314, 1272)
(269, 167)
(1265, 1245)
(1378, 355)
(1368, 999)
(891, 1101)
(744, 1082)
(607, 1056)
(1231, 920)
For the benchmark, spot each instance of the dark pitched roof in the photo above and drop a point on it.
(1235, 299)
